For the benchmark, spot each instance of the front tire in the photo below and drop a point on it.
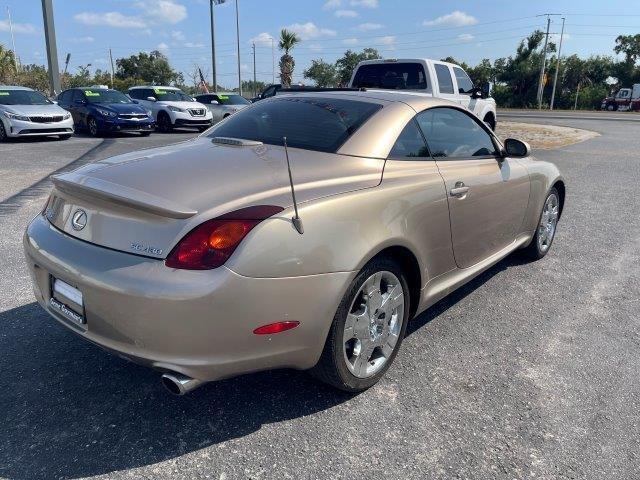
(164, 123)
(367, 329)
(547, 225)
(3, 133)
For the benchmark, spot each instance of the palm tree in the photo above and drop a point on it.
(287, 41)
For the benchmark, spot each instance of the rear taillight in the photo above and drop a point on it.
(210, 245)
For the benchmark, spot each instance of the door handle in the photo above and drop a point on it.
(460, 190)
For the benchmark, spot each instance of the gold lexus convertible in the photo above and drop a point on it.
(304, 232)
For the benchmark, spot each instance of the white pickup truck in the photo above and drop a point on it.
(431, 77)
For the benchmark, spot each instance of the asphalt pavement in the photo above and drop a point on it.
(529, 371)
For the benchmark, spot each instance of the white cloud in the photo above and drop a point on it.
(162, 46)
(162, 11)
(310, 30)
(314, 47)
(350, 41)
(466, 37)
(364, 3)
(193, 45)
(388, 40)
(263, 39)
(153, 12)
(345, 13)
(82, 40)
(18, 27)
(367, 27)
(109, 19)
(331, 4)
(178, 36)
(455, 19)
(556, 37)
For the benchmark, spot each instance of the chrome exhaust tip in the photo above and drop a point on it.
(179, 384)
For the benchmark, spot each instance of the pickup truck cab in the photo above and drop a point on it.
(431, 77)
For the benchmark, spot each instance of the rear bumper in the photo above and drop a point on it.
(198, 323)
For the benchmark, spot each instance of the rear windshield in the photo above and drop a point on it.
(22, 97)
(232, 100)
(106, 96)
(320, 124)
(397, 76)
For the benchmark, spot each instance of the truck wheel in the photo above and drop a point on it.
(490, 121)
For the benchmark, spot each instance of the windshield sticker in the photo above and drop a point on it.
(89, 93)
(160, 92)
(223, 97)
(5, 94)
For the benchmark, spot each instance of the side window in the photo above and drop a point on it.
(451, 133)
(134, 94)
(77, 96)
(410, 143)
(465, 85)
(63, 98)
(444, 78)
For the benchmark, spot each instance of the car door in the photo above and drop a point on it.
(444, 80)
(78, 107)
(464, 86)
(487, 194)
(418, 203)
(216, 109)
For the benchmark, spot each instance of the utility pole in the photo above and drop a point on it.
(13, 41)
(66, 63)
(542, 67)
(255, 92)
(238, 47)
(111, 60)
(52, 49)
(213, 47)
(555, 77)
(273, 62)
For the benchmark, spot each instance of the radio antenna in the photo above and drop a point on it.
(297, 221)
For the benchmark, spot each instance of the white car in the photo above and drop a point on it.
(27, 113)
(431, 77)
(222, 104)
(172, 108)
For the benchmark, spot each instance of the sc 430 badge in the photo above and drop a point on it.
(145, 249)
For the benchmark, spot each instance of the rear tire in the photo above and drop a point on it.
(546, 228)
(367, 329)
(164, 124)
(491, 122)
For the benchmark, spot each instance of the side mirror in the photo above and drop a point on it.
(215, 102)
(476, 92)
(516, 148)
(485, 90)
(151, 99)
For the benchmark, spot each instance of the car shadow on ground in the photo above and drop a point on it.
(69, 409)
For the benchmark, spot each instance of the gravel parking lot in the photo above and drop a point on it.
(529, 371)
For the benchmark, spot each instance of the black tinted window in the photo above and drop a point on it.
(410, 143)
(454, 134)
(64, 97)
(399, 76)
(444, 78)
(77, 96)
(321, 124)
(465, 85)
(135, 94)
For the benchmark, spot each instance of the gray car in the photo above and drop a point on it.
(27, 113)
(223, 104)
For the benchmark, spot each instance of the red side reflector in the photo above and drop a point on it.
(276, 327)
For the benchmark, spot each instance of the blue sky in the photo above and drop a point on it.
(467, 30)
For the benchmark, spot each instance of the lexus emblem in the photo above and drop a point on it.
(79, 219)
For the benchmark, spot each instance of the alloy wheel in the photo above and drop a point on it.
(373, 325)
(548, 222)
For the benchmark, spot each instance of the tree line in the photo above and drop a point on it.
(581, 82)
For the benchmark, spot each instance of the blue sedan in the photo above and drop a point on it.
(102, 110)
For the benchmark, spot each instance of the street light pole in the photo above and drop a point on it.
(213, 48)
(555, 77)
(238, 45)
(255, 89)
(544, 61)
(52, 50)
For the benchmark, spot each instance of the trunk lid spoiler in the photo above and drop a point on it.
(92, 187)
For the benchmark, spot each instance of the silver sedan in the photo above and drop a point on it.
(222, 104)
